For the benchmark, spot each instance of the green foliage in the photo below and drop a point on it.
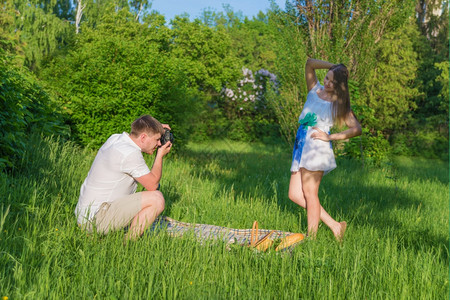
(433, 20)
(126, 62)
(389, 87)
(290, 68)
(9, 38)
(427, 101)
(116, 73)
(352, 33)
(211, 124)
(348, 31)
(246, 107)
(427, 132)
(443, 80)
(207, 54)
(430, 131)
(370, 149)
(214, 52)
(254, 42)
(423, 141)
(43, 32)
(25, 108)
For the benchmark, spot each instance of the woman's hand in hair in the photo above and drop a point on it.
(310, 70)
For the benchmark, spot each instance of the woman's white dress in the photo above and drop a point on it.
(314, 155)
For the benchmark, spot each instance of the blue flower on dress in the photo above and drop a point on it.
(309, 120)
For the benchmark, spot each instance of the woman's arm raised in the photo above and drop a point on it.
(310, 73)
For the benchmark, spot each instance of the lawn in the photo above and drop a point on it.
(396, 244)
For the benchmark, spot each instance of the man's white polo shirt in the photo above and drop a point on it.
(111, 176)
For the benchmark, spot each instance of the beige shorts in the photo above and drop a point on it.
(115, 215)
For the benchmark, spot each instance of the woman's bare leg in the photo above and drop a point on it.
(310, 185)
(297, 196)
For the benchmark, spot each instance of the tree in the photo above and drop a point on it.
(253, 42)
(432, 48)
(291, 56)
(427, 101)
(443, 79)
(207, 52)
(348, 31)
(43, 31)
(116, 72)
(79, 15)
(389, 87)
(25, 108)
(432, 18)
(9, 38)
(351, 32)
(138, 7)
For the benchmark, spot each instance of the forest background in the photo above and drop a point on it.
(84, 69)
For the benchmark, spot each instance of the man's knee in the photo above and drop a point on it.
(153, 198)
(160, 203)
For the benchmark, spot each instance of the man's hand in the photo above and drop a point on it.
(164, 149)
(166, 126)
(151, 180)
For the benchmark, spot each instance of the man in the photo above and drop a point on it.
(108, 199)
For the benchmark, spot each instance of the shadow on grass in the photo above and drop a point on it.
(350, 191)
(260, 171)
(254, 172)
(422, 169)
(378, 206)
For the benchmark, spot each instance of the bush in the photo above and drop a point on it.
(25, 108)
(424, 141)
(430, 144)
(370, 149)
(246, 107)
(116, 73)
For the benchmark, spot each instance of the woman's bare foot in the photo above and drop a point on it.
(340, 235)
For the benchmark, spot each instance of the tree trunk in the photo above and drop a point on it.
(80, 8)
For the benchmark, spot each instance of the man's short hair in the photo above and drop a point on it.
(147, 124)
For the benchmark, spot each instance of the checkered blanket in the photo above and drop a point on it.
(205, 231)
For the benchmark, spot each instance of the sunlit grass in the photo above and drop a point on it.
(396, 245)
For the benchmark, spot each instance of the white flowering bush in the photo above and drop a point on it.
(245, 105)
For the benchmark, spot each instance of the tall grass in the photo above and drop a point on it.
(396, 246)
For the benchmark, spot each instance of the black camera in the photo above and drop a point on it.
(166, 137)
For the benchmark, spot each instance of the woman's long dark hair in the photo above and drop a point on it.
(341, 107)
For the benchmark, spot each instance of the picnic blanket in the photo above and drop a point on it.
(212, 232)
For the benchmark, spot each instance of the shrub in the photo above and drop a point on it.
(25, 108)
(422, 140)
(116, 73)
(246, 107)
(370, 149)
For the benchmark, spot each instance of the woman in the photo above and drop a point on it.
(313, 156)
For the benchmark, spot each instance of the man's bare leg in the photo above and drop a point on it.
(152, 205)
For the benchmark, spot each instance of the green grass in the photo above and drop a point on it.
(396, 246)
